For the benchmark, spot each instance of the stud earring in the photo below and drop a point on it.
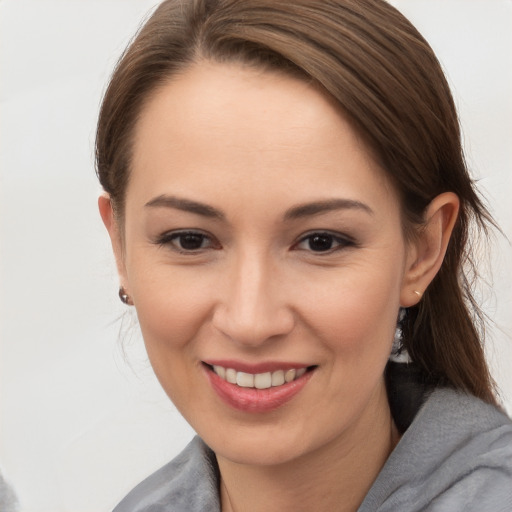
(125, 298)
(417, 293)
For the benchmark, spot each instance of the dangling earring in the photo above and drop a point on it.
(399, 353)
(125, 298)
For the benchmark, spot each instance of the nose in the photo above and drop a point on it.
(253, 308)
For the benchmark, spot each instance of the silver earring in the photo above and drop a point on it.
(399, 353)
(125, 298)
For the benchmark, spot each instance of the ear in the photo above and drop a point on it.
(114, 231)
(428, 248)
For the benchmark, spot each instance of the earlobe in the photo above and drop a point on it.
(428, 249)
(110, 222)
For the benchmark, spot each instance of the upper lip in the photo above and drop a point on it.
(255, 368)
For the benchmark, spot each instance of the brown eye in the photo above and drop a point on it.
(190, 241)
(320, 243)
(186, 241)
(323, 242)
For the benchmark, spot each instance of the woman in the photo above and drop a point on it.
(284, 183)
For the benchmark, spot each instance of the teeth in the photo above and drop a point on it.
(300, 372)
(245, 380)
(220, 371)
(278, 378)
(290, 375)
(263, 380)
(258, 380)
(230, 375)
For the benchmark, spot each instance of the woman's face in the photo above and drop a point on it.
(261, 238)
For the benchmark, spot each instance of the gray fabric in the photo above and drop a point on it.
(188, 483)
(8, 501)
(455, 457)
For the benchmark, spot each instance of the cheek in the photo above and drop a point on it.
(172, 308)
(356, 312)
(171, 313)
(356, 322)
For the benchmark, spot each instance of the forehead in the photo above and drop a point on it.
(248, 131)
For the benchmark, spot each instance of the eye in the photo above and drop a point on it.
(187, 241)
(323, 242)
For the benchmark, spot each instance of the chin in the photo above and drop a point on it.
(258, 445)
(263, 453)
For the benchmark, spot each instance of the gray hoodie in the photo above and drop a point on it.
(8, 501)
(456, 455)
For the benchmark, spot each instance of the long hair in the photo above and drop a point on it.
(386, 79)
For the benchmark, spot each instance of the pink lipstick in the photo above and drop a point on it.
(256, 388)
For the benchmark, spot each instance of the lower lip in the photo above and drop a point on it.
(252, 399)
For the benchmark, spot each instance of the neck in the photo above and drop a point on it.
(336, 476)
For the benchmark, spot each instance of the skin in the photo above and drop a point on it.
(255, 145)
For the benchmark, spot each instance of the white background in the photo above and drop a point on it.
(81, 423)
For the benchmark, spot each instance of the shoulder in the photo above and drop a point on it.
(455, 456)
(189, 483)
(8, 500)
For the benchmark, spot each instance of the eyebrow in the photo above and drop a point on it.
(329, 205)
(185, 205)
(297, 212)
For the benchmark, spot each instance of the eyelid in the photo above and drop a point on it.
(166, 239)
(342, 239)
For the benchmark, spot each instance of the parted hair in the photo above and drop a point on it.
(386, 80)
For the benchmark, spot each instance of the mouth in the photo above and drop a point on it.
(260, 390)
(263, 380)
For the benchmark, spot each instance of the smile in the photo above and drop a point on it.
(259, 380)
(266, 388)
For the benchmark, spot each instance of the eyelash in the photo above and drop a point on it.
(169, 239)
(342, 241)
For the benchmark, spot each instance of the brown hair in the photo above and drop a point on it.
(387, 80)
